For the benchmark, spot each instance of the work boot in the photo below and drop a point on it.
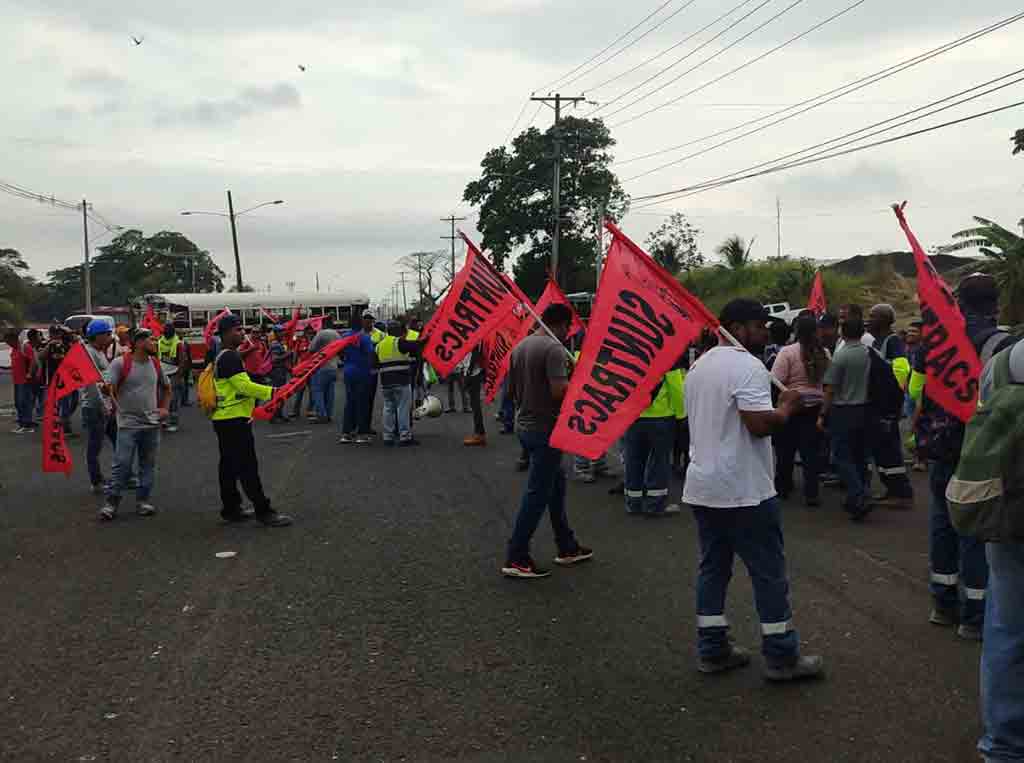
(273, 519)
(803, 668)
(969, 632)
(942, 616)
(738, 657)
(475, 441)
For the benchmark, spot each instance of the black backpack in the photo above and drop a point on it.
(884, 393)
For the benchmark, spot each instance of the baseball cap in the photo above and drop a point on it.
(367, 314)
(978, 287)
(743, 310)
(228, 322)
(141, 334)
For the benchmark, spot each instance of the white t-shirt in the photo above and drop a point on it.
(729, 467)
(867, 340)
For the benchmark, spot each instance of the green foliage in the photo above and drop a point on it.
(21, 297)
(775, 280)
(246, 288)
(1018, 142)
(674, 245)
(514, 194)
(735, 252)
(1005, 252)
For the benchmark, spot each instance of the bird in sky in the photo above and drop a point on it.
(138, 40)
(302, 68)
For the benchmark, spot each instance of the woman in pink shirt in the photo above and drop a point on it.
(801, 366)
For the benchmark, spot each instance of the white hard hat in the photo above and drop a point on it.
(431, 408)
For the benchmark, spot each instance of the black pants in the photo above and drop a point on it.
(371, 394)
(800, 434)
(473, 386)
(681, 445)
(238, 463)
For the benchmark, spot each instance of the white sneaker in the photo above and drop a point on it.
(145, 509)
(172, 428)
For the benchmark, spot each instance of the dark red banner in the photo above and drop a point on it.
(498, 346)
(478, 302)
(301, 375)
(952, 367)
(555, 296)
(75, 371)
(817, 304)
(641, 322)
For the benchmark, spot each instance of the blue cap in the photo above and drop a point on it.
(99, 326)
(228, 322)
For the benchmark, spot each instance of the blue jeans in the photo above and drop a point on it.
(40, 399)
(66, 407)
(649, 464)
(545, 489)
(357, 404)
(97, 425)
(397, 409)
(24, 399)
(954, 558)
(753, 533)
(848, 428)
(322, 387)
(508, 407)
(132, 442)
(1002, 655)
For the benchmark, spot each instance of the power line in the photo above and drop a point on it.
(679, 193)
(709, 149)
(700, 47)
(742, 66)
(611, 45)
(508, 138)
(842, 90)
(630, 44)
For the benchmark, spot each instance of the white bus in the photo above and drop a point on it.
(191, 312)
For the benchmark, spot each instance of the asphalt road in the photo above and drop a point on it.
(377, 628)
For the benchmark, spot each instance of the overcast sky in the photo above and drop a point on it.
(376, 140)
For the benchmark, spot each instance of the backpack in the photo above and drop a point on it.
(884, 393)
(206, 387)
(126, 368)
(986, 494)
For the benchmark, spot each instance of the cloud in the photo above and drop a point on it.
(864, 180)
(96, 80)
(250, 101)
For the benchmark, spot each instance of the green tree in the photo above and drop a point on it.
(674, 245)
(12, 286)
(735, 252)
(1018, 142)
(514, 194)
(246, 288)
(1005, 252)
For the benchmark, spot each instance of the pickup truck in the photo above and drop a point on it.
(784, 311)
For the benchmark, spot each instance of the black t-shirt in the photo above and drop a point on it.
(229, 364)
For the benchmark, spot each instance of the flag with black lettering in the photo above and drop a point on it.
(498, 345)
(478, 301)
(952, 367)
(641, 322)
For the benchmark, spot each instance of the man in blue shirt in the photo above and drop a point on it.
(358, 363)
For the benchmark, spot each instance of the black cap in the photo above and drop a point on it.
(978, 287)
(743, 310)
(228, 322)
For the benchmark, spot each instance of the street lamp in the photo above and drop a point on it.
(232, 216)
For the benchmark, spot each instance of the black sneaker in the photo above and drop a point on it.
(239, 515)
(525, 569)
(408, 443)
(581, 554)
(801, 670)
(273, 519)
(737, 657)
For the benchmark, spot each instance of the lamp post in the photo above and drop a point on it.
(232, 216)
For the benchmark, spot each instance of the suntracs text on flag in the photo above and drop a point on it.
(498, 345)
(76, 371)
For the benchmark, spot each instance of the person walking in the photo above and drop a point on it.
(173, 352)
(844, 415)
(649, 441)
(396, 362)
(376, 336)
(538, 378)
(801, 367)
(21, 375)
(141, 394)
(359, 361)
(280, 361)
(232, 422)
(325, 380)
(476, 374)
(730, 487)
(98, 419)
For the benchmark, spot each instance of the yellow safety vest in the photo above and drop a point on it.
(168, 348)
(390, 358)
(411, 335)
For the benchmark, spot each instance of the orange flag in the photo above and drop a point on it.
(816, 304)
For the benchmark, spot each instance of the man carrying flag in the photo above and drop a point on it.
(232, 421)
(730, 486)
(538, 379)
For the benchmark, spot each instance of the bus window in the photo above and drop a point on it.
(316, 311)
(199, 319)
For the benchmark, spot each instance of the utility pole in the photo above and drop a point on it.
(778, 225)
(234, 242)
(405, 302)
(86, 273)
(419, 273)
(452, 219)
(318, 282)
(556, 195)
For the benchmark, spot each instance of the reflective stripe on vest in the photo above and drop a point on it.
(389, 358)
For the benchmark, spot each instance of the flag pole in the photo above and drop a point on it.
(735, 343)
(545, 327)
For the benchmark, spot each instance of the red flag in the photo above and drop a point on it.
(498, 346)
(149, 321)
(554, 296)
(301, 375)
(289, 329)
(642, 321)
(270, 316)
(317, 324)
(211, 327)
(952, 367)
(478, 301)
(76, 371)
(816, 304)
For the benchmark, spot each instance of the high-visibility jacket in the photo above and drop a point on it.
(411, 335)
(376, 336)
(389, 357)
(237, 396)
(668, 403)
(167, 349)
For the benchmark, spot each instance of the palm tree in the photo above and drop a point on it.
(1005, 250)
(735, 251)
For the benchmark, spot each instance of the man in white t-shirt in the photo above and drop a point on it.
(730, 484)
